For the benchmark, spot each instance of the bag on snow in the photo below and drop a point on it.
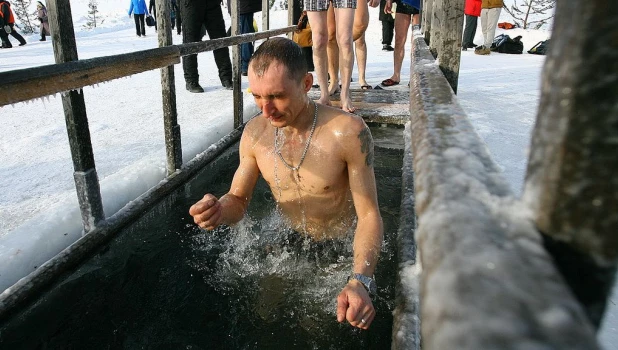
(504, 44)
(150, 21)
(540, 48)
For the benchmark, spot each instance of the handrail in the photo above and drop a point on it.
(486, 282)
(31, 83)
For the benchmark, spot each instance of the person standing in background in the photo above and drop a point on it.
(41, 12)
(7, 26)
(472, 11)
(490, 13)
(246, 8)
(195, 15)
(405, 14)
(361, 22)
(388, 27)
(139, 11)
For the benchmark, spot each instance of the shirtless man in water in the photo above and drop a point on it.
(318, 162)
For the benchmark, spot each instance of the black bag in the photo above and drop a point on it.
(540, 48)
(504, 44)
(150, 21)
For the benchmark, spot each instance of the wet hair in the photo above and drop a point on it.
(284, 51)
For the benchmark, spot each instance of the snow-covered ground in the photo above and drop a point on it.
(39, 214)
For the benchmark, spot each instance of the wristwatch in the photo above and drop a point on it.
(368, 282)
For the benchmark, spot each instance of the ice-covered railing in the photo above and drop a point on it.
(500, 272)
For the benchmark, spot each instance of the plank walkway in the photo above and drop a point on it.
(390, 106)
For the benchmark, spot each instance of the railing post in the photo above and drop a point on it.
(236, 77)
(173, 144)
(437, 16)
(265, 15)
(449, 47)
(427, 13)
(571, 184)
(85, 174)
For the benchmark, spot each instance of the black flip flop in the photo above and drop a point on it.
(389, 82)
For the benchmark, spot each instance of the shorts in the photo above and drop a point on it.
(322, 5)
(406, 9)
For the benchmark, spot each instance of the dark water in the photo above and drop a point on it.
(164, 284)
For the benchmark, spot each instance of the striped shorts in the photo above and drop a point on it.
(322, 5)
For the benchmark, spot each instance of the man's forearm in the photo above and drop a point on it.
(367, 244)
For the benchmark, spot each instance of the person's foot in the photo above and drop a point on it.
(333, 88)
(389, 82)
(22, 44)
(243, 73)
(482, 51)
(464, 49)
(227, 84)
(387, 47)
(346, 105)
(42, 39)
(324, 101)
(193, 86)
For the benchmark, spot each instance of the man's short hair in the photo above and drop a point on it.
(283, 50)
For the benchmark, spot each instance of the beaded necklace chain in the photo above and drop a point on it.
(302, 158)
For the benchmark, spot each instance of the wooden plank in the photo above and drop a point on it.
(27, 84)
(203, 46)
(571, 183)
(377, 106)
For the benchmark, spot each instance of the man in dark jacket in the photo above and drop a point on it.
(246, 8)
(207, 13)
(7, 26)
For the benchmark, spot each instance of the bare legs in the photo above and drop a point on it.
(402, 23)
(319, 36)
(344, 18)
(360, 47)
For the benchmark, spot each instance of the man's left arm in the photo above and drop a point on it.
(354, 302)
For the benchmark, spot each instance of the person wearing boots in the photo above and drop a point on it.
(246, 8)
(388, 27)
(490, 13)
(7, 26)
(195, 15)
(472, 10)
(140, 11)
(41, 11)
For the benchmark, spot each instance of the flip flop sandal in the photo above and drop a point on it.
(389, 82)
(366, 87)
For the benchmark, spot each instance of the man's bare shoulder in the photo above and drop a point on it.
(343, 124)
(255, 127)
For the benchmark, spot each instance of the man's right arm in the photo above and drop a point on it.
(211, 212)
